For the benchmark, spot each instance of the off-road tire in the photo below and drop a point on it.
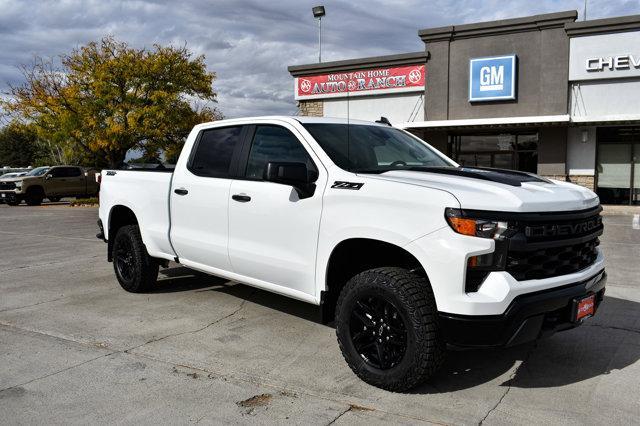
(144, 269)
(413, 298)
(34, 197)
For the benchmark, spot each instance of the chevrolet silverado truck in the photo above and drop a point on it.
(407, 252)
(52, 183)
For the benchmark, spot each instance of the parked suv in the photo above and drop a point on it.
(407, 251)
(52, 183)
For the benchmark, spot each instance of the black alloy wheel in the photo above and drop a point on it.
(123, 258)
(387, 328)
(378, 332)
(135, 270)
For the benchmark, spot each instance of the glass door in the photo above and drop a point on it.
(614, 173)
(618, 165)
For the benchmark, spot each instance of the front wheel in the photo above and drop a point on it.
(387, 329)
(136, 271)
(34, 199)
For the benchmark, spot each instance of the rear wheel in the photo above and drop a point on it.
(387, 328)
(136, 271)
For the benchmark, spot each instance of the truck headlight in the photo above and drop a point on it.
(18, 185)
(481, 224)
(466, 224)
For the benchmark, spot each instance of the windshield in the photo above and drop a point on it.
(373, 149)
(38, 171)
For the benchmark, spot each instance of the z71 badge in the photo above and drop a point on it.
(347, 185)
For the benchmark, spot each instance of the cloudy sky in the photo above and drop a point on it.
(250, 43)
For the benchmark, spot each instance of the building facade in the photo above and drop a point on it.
(542, 93)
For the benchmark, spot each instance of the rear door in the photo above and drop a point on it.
(273, 234)
(199, 198)
(75, 181)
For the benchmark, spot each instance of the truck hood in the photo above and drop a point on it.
(529, 194)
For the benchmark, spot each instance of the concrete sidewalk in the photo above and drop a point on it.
(75, 348)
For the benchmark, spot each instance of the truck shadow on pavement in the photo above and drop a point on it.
(603, 344)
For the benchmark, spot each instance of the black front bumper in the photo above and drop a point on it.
(9, 197)
(529, 317)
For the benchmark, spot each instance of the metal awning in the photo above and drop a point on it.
(538, 120)
(488, 122)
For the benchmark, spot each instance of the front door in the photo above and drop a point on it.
(56, 181)
(273, 234)
(199, 199)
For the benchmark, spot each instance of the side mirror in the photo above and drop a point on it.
(49, 176)
(292, 174)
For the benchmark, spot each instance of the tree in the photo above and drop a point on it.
(18, 145)
(107, 98)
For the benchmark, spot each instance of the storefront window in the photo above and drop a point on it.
(516, 151)
(618, 179)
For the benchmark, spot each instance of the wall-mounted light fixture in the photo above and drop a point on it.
(585, 135)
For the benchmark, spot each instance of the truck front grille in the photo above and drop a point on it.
(552, 261)
(552, 244)
(5, 186)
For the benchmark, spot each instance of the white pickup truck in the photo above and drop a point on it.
(407, 251)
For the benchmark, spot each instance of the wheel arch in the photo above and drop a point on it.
(119, 216)
(354, 255)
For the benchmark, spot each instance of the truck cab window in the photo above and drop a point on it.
(275, 144)
(212, 155)
(74, 172)
(57, 172)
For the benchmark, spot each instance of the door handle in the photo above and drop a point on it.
(241, 198)
(181, 191)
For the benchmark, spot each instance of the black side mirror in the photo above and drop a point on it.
(292, 174)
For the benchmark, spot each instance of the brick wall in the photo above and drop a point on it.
(311, 108)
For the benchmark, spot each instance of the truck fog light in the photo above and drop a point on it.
(481, 261)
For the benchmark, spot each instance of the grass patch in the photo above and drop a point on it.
(93, 201)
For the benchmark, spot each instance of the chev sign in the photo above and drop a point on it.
(621, 62)
(604, 56)
(492, 79)
(374, 81)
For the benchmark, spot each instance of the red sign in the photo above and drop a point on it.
(406, 78)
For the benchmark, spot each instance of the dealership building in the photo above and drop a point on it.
(543, 93)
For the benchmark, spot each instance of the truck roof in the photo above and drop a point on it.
(289, 118)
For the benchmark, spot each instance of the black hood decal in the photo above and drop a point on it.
(504, 176)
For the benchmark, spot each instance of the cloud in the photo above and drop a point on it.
(250, 43)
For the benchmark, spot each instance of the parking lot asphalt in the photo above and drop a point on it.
(76, 348)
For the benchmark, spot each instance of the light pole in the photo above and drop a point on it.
(318, 13)
(584, 18)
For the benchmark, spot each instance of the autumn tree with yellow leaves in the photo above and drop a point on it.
(107, 98)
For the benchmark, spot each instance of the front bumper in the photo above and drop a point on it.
(528, 317)
(9, 197)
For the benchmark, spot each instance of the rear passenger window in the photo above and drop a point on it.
(212, 156)
(74, 172)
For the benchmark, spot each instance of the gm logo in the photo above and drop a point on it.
(492, 79)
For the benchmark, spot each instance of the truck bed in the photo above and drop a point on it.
(147, 194)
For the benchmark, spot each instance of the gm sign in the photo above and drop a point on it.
(492, 79)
